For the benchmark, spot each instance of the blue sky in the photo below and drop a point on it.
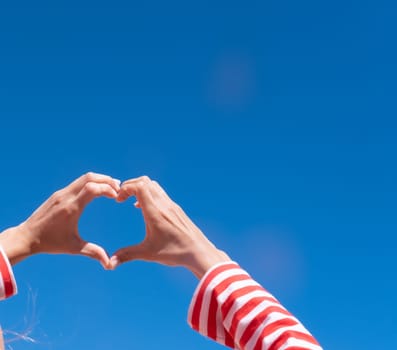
(272, 123)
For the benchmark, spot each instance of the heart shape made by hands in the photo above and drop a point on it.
(102, 217)
(171, 238)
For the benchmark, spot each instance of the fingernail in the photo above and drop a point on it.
(118, 182)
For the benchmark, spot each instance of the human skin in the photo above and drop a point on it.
(53, 227)
(171, 237)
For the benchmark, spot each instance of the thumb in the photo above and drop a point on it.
(96, 252)
(133, 252)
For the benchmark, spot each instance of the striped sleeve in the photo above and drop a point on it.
(8, 285)
(229, 307)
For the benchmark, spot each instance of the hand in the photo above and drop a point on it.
(53, 227)
(171, 237)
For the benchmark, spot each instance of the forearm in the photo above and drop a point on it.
(233, 309)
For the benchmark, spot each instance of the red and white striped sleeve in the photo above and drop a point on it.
(229, 307)
(8, 286)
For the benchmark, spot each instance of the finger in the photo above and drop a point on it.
(93, 190)
(138, 180)
(96, 252)
(77, 185)
(142, 194)
(133, 252)
(143, 178)
(139, 188)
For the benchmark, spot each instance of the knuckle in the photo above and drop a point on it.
(57, 196)
(68, 209)
(145, 179)
(141, 185)
(89, 176)
(90, 188)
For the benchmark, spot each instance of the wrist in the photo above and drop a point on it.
(203, 257)
(16, 244)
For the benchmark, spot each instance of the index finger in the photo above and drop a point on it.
(93, 190)
(77, 185)
(140, 189)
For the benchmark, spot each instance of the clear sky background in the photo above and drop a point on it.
(273, 123)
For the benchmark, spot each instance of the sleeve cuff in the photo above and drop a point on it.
(8, 286)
